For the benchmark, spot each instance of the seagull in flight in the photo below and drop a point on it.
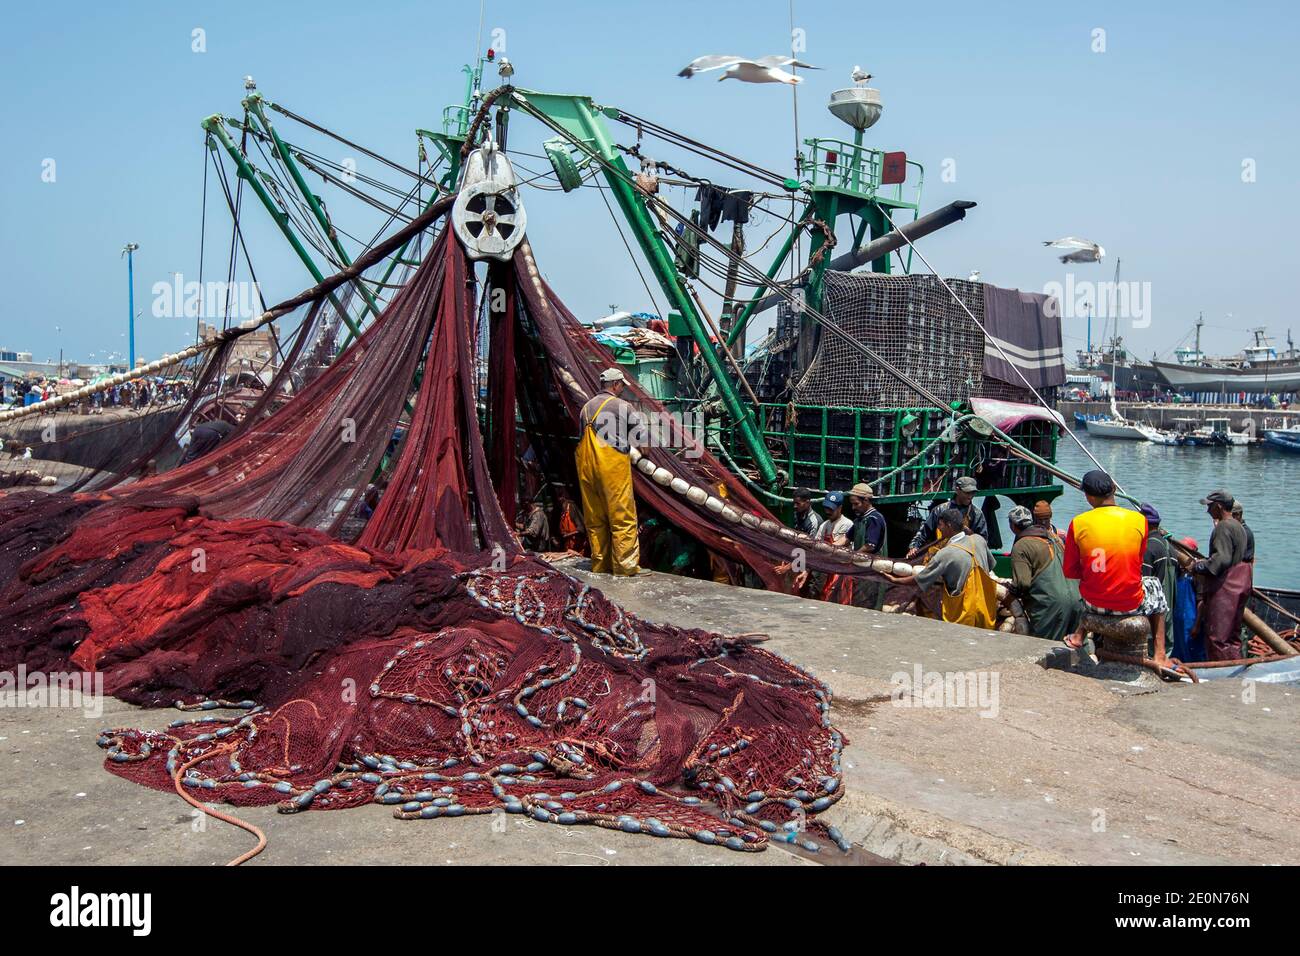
(1083, 249)
(767, 69)
(860, 76)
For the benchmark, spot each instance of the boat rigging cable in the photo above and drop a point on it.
(798, 303)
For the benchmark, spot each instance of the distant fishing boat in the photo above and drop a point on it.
(1257, 369)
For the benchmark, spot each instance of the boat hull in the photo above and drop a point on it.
(1113, 429)
(1285, 440)
(1284, 378)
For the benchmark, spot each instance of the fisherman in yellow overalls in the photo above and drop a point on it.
(605, 477)
(961, 566)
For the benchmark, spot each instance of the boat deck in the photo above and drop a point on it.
(1064, 769)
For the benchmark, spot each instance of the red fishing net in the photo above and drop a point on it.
(429, 665)
(426, 680)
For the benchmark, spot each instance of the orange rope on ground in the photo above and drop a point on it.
(217, 814)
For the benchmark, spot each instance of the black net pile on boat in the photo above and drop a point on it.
(424, 662)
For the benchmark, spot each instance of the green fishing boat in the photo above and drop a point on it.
(873, 372)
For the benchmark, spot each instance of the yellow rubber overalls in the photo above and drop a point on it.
(976, 604)
(608, 505)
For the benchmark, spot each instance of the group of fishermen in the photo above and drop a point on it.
(1110, 561)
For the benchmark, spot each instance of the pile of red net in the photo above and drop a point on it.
(423, 679)
(428, 664)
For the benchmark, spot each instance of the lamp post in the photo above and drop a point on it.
(128, 250)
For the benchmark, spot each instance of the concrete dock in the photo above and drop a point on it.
(1054, 767)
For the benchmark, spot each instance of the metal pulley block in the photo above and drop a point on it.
(488, 215)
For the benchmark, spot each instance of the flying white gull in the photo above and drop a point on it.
(860, 75)
(1084, 250)
(765, 69)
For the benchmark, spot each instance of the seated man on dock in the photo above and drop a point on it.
(963, 499)
(1104, 549)
(962, 563)
(1050, 599)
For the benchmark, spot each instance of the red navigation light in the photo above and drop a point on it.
(492, 54)
(831, 158)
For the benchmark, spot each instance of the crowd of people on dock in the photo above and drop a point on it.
(138, 394)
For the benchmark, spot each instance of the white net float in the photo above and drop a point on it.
(680, 485)
(714, 504)
(749, 520)
(769, 526)
(696, 495)
(884, 565)
(730, 514)
(662, 476)
(646, 466)
(633, 454)
(903, 569)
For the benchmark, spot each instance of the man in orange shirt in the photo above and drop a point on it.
(1104, 549)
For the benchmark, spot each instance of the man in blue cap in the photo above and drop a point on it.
(836, 530)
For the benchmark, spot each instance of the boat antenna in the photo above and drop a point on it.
(794, 96)
(478, 43)
(798, 157)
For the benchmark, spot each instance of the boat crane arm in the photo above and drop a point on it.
(581, 122)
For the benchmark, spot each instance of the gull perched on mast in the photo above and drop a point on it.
(860, 76)
(765, 69)
(1084, 250)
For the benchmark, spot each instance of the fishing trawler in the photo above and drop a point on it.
(812, 404)
(1257, 369)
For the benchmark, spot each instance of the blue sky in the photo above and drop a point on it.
(1140, 147)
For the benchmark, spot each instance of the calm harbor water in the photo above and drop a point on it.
(1174, 479)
